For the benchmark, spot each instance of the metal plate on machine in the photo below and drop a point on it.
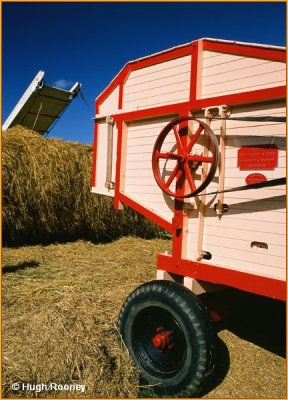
(255, 178)
(257, 158)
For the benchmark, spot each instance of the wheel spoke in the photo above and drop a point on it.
(172, 176)
(178, 139)
(189, 177)
(200, 158)
(194, 138)
(168, 156)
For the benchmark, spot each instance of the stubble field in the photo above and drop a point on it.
(60, 310)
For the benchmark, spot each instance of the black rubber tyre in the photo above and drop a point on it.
(182, 366)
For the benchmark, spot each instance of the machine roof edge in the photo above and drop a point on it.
(266, 46)
(260, 45)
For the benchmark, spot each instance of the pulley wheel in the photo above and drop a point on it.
(180, 151)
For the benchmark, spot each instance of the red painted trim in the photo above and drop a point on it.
(117, 202)
(145, 212)
(252, 96)
(158, 58)
(194, 69)
(173, 109)
(240, 280)
(134, 65)
(177, 230)
(120, 99)
(178, 220)
(239, 49)
(109, 89)
(182, 108)
(245, 50)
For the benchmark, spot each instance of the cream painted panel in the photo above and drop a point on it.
(240, 66)
(254, 215)
(247, 246)
(231, 261)
(101, 160)
(242, 85)
(242, 234)
(226, 74)
(140, 184)
(268, 72)
(110, 105)
(150, 188)
(246, 253)
(235, 63)
(164, 66)
(159, 84)
(214, 58)
(155, 90)
(157, 100)
(145, 82)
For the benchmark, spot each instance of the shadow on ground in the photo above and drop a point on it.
(14, 268)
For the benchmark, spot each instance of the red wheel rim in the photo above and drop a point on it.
(185, 162)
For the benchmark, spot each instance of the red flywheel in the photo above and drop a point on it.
(179, 152)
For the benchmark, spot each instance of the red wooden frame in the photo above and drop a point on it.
(245, 50)
(176, 264)
(210, 273)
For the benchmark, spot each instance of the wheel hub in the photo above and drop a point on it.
(163, 340)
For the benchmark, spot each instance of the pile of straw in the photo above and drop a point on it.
(47, 198)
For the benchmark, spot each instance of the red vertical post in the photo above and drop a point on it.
(178, 219)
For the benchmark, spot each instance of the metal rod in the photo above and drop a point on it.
(219, 209)
(109, 184)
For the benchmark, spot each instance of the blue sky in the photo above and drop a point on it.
(90, 43)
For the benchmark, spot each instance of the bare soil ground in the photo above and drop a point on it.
(60, 309)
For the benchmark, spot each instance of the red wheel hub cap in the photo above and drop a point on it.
(163, 339)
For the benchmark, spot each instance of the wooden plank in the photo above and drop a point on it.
(248, 225)
(155, 203)
(154, 89)
(163, 66)
(110, 104)
(271, 262)
(145, 189)
(158, 85)
(157, 100)
(243, 85)
(101, 157)
(146, 199)
(244, 245)
(242, 67)
(146, 82)
(226, 74)
(211, 58)
(241, 234)
(232, 263)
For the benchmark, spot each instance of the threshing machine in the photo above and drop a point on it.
(194, 139)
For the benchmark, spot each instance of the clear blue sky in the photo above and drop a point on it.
(90, 43)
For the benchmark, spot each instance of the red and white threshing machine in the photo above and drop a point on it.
(194, 139)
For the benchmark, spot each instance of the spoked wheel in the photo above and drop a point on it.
(178, 153)
(170, 337)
